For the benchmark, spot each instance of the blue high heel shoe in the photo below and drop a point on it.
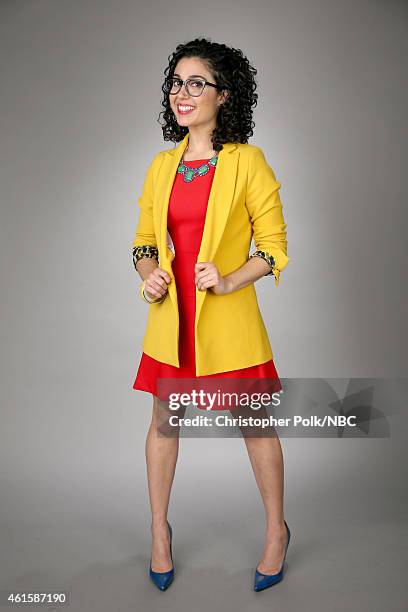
(264, 581)
(163, 579)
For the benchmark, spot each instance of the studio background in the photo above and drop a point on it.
(79, 105)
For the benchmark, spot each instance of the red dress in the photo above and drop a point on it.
(185, 223)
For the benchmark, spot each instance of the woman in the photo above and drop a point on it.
(209, 195)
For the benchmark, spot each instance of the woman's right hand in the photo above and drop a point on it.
(156, 283)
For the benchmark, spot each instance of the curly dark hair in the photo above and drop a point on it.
(232, 71)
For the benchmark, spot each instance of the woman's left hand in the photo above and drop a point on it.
(208, 277)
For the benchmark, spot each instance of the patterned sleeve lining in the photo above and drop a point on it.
(144, 250)
(269, 260)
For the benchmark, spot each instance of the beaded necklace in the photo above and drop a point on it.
(190, 173)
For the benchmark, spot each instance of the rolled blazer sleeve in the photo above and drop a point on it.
(265, 210)
(145, 234)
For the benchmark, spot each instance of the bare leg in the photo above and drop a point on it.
(161, 458)
(265, 454)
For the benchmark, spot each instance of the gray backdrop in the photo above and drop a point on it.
(80, 98)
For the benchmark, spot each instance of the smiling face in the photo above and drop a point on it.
(204, 107)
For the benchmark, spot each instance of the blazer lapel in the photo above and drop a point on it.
(218, 209)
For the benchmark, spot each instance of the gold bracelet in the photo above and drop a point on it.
(145, 298)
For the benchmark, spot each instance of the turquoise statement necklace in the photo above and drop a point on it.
(191, 173)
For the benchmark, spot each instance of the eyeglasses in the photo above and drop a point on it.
(194, 86)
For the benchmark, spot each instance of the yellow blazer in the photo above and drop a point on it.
(244, 202)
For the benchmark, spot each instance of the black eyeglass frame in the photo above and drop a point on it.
(169, 85)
